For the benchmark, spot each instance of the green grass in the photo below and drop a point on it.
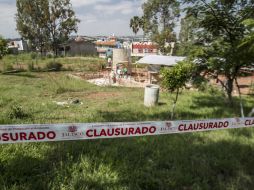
(25, 60)
(205, 160)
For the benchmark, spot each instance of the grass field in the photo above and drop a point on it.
(34, 62)
(205, 160)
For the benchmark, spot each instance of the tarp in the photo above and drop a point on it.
(160, 60)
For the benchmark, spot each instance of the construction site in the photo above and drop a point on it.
(121, 71)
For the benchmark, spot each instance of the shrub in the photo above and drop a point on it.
(31, 66)
(49, 56)
(33, 55)
(102, 65)
(54, 66)
(200, 83)
(213, 90)
(17, 112)
(61, 90)
(3, 47)
(175, 78)
(8, 67)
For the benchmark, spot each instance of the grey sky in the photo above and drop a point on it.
(98, 17)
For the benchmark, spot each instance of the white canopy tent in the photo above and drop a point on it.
(160, 60)
(155, 62)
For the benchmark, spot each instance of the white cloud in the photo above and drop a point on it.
(140, 11)
(124, 7)
(97, 16)
(87, 18)
(81, 3)
(109, 18)
(107, 27)
(7, 20)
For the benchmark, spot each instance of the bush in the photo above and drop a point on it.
(33, 55)
(8, 67)
(54, 66)
(17, 112)
(175, 78)
(31, 66)
(49, 56)
(215, 91)
(200, 83)
(3, 47)
(102, 65)
(61, 90)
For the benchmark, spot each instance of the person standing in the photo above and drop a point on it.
(109, 62)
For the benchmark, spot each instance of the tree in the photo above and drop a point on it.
(135, 24)
(32, 20)
(174, 79)
(247, 43)
(246, 47)
(187, 35)
(3, 47)
(46, 23)
(220, 31)
(158, 22)
(62, 22)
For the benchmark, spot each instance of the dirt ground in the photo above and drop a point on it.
(103, 79)
(246, 84)
(140, 78)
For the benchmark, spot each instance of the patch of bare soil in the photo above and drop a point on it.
(245, 83)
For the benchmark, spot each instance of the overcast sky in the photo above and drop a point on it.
(98, 17)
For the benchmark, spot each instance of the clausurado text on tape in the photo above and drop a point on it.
(83, 131)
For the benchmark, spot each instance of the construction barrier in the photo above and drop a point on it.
(85, 131)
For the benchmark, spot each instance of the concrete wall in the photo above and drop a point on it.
(120, 56)
(81, 49)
